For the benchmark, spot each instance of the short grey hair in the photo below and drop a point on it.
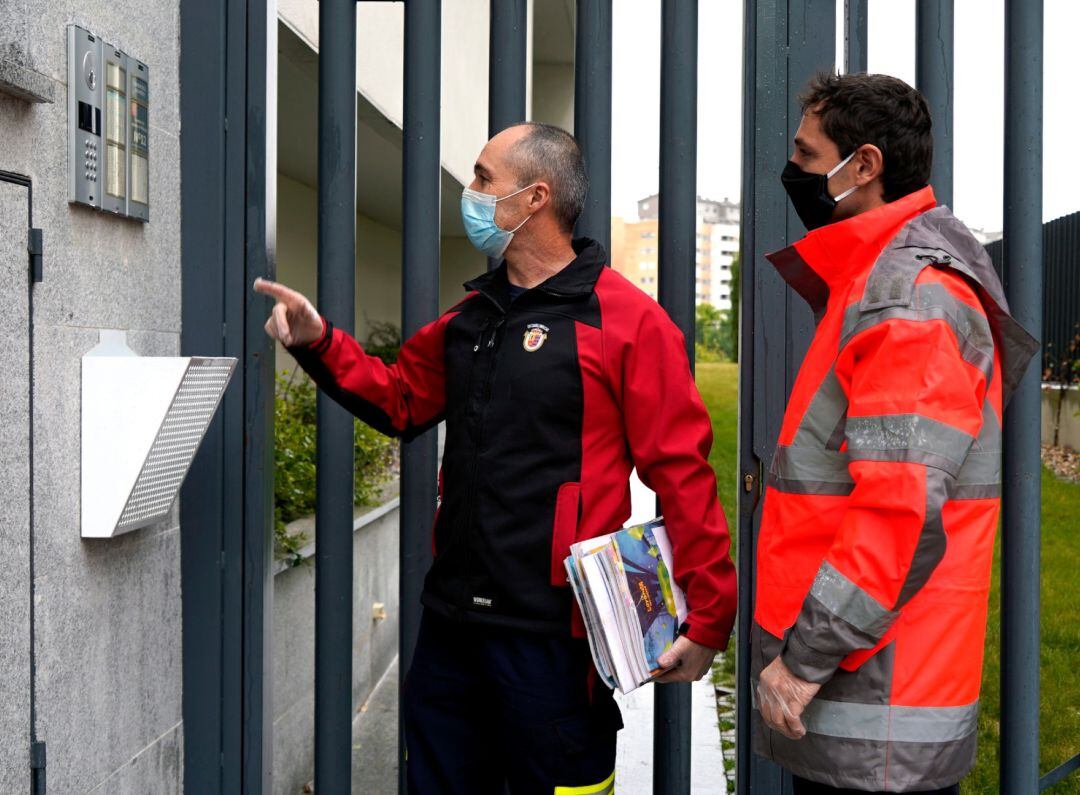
(551, 154)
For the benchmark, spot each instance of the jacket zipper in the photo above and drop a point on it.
(463, 606)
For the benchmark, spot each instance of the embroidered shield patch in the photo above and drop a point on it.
(535, 336)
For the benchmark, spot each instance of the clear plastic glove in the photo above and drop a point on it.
(293, 321)
(782, 697)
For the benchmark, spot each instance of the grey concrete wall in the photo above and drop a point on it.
(108, 612)
(15, 505)
(375, 579)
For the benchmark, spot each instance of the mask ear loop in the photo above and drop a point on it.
(835, 169)
(530, 215)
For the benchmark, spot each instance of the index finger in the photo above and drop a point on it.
(274, 289)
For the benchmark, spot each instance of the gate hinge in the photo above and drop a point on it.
(36, 247)
(37, 767)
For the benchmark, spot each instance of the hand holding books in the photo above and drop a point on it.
(631, 605)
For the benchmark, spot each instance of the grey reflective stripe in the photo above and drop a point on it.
(849, 602)
(930, 548)
(931, 302)
(885, 723)
(980, 476)
(809, 470)
(823, 423)
(907, 437)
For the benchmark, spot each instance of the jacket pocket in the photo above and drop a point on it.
(564, 529)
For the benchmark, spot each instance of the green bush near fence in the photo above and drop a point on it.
(374, 461)
(1060, 653)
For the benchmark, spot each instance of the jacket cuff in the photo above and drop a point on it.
(808, 663)
(700, 633)
(837, 618)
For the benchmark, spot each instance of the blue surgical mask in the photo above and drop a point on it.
(478, 214)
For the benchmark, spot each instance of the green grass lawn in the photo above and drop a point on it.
(1060, 656)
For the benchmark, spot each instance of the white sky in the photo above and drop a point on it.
(978, 121)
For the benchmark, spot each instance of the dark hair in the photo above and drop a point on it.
(551, 154)
(881, 110)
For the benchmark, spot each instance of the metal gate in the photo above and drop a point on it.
(229, 121)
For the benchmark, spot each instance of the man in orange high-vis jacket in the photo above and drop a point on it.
(874, 556)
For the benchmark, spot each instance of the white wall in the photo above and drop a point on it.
(378, 261)
(553, 94)
(380, 68)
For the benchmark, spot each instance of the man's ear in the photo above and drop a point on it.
(539, 196)
(869, 164)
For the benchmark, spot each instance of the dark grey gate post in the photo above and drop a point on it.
(421, 172)
(507, 49)
(592, 115)
(678, 236)
(334, 439)
(1021, 518)
(228, 73)
(787, 41)
(855, 36)
(934, 78)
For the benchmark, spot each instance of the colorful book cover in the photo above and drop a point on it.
(651, 587)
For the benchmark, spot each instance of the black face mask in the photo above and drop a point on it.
(809, 193)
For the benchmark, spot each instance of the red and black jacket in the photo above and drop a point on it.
(549, 402)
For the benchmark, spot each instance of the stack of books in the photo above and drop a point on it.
(632, 607)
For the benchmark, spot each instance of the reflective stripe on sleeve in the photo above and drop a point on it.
(910, 438)
(846, 600)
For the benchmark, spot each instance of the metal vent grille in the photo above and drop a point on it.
(176, 442)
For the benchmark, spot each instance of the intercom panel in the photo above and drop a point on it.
(84, 117)
(114, 152)
(138, 140)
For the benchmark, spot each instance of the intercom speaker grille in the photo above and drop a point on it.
(176, 442)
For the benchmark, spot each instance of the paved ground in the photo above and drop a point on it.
(375, 742)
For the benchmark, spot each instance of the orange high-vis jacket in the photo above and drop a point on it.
(877, 533)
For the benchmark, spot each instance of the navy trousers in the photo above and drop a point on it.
(490, 710)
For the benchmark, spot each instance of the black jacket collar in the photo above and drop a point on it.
(576, 279)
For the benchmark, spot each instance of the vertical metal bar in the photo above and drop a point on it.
(592, 114)
(749, 465)
(334, 481)
(1021, 530)
(508, 47)
(678, 235)
(855, 36)
(203, 72)
(421, 174)
(235, 285)
(506, 72)
(260, 210)
(934, 78)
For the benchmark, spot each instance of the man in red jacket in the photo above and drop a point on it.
(555, 377)
(878, 525)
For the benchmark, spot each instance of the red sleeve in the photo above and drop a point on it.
(670, 434)
(402, 399)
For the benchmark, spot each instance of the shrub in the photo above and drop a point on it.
(374, 461)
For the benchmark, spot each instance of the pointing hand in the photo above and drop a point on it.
(293, 321)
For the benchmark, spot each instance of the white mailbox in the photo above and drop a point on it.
(143, 418)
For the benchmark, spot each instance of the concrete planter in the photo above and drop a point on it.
(1069, 435)
(375, 566)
